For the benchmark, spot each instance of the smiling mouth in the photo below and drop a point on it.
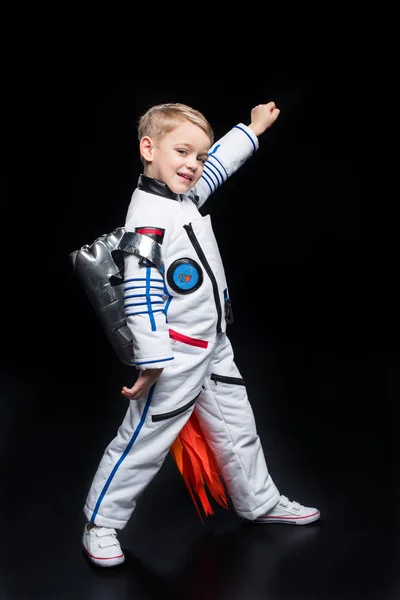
(186, 177)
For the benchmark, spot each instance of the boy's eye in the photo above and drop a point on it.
(184, 152)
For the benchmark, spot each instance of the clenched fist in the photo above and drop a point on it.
(263, 116)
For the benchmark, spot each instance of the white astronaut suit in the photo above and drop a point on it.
(177, 304)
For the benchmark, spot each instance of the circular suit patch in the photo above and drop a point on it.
(185, 276)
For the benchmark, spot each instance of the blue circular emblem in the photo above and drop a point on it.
(185, 276)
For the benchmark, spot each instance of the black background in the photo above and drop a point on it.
(307, 232)
(306, 228)
(305, 223)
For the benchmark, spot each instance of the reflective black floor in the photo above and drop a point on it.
(326, 424)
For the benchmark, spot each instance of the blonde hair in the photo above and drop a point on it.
(159, 120)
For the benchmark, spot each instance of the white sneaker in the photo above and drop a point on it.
(102, 546)
(289, 512)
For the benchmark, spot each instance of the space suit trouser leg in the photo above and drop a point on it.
(227, 420)
(143, 440)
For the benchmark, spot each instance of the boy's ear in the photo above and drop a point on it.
(146, 148)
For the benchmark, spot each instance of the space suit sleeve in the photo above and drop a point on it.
(224, 158)
(144, 310)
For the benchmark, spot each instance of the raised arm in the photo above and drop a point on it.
(232, 150)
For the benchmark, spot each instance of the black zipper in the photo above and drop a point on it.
(204, 262)
(173, 413)
(225, 379)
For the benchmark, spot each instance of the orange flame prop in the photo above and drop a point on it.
(198, 467)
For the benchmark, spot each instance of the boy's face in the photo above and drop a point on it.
(178, 158)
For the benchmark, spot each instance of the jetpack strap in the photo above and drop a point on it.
(142, 246)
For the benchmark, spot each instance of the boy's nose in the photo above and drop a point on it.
(191, 162)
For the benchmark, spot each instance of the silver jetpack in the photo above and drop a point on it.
(100, 270)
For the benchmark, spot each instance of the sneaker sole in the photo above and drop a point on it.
(104, 562)
(289, 520)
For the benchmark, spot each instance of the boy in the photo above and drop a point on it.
(177, 306)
